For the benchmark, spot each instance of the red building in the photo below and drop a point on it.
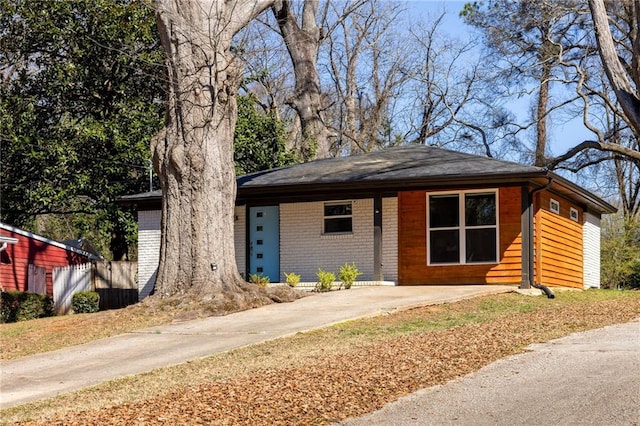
(24, 249)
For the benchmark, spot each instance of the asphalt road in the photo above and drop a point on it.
(589, 378)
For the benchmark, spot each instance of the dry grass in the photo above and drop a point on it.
(346, 370)
(47, 334)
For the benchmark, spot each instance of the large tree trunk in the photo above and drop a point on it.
(628, 97)
(303, 43)
(541, 116)
(193, 154)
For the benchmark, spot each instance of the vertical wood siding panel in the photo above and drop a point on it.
(412, 252)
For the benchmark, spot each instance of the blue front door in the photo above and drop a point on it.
(264, 242)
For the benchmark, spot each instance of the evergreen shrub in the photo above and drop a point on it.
(23, 306)
(85, 302)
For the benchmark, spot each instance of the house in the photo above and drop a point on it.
(414, 215)
(27, 263)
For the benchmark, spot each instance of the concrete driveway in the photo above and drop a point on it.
(589, 378)
(45, 375)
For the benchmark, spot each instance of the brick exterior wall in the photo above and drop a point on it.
(390, 239)
(303, 248)
(591, 251)
(148, 250)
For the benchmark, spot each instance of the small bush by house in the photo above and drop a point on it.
(292, 278)
(22, 306)
(348, 274)
(325, 280)
(85, 302)
(260, 280)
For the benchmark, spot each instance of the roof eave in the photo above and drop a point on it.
(591, 200)
(449, 181)
(49, 241)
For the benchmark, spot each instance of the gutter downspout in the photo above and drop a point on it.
(532, 282)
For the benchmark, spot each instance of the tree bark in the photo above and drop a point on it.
(541, 114)
(303, 43)
(628, 99)
(193, 154)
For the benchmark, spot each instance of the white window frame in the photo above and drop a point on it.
(324, 217)
(462, 227)
(554, 206)
(574, 214)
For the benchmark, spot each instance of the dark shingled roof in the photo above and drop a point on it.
(400, 164)
(390, 170)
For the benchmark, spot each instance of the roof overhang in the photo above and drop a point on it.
(22, 232)
(576, 193)
(252, 194)
(386, 173)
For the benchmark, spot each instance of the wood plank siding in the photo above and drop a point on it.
(412, 245)
(29, 251)
(558, 240)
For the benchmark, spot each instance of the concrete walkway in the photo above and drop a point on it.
(49, 374)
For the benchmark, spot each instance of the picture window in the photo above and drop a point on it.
(463, 228)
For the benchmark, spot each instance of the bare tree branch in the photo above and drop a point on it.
(608, 147)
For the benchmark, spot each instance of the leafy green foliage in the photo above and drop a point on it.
(620, 252)
(81, 97)
(259, 139)
(21, 306)
(292, 278)
(85, 302)
(348, 274)
(325, 280)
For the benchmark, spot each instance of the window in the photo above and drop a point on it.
(573, 213)
(463, 228)
(554, 206)
(338, 218)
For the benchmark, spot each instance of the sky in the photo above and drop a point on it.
(562, 135)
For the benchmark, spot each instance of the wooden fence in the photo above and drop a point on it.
(68, 280)
(116, 284)
(37, 279)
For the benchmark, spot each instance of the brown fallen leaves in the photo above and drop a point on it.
(359, 380)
